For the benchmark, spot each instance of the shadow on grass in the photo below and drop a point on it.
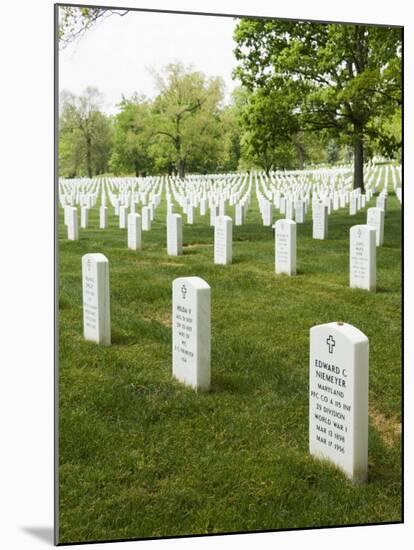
(231, 385)
(384, 290)
(123, 339)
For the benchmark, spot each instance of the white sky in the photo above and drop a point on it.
(115, 55)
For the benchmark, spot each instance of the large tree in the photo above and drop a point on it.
(187, 116)
(340, 77)
(85, 132)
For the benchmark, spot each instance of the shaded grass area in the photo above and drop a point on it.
(143, 456)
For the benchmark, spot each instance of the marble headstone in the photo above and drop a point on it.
(320, 220)
(84, 217)
(174, 235)
(123, 212)
(73, 228)
(103, 217)
(375, 219)
(95, 285)
(285, 244)
(191, 314)
(223, 240)
(134, 231)
(338, 397)
(146, 218)
(362, 257)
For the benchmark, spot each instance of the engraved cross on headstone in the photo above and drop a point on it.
(184, 291)
(331, 343)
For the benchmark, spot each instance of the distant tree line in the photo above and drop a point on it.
(184, 128)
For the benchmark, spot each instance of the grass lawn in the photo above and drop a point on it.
(143, 456)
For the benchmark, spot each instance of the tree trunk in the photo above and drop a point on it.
(301, 155)
(89, 156)
(136, 166)
(180, 168)
(358, 163)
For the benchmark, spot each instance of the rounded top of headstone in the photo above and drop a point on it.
(351, 333)
(96, 257)
(196, 282)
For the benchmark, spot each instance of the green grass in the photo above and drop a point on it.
(143, 456)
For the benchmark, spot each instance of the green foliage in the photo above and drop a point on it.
(270, 136)
(338, 77)
(268, 124)
(332, 152)
(132, 138)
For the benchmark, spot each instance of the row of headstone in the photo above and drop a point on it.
(338, 367)
(282, 189)
(125, 203)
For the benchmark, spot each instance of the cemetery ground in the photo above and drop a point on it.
(141, 455)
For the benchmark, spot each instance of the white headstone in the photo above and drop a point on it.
(191, 313)
(84, 217)
(282, 205)
(267, 213)
(95, 285)
(362, 257)
(223, 240)
(353, 201)
(328, 203)
(174, 235)
(320, 220)
(116, 205)
(151, 207)
(213, 214)
(338, 397)
(103, 217)
(375, 219)
(300, 211)
(398, 192)
(146, 218)
(134, 231)
(382, 202)
(66, 210)
(190, 214)
(123, 212)
(289, 209)
(239, 213)
(285, 247)
(73, 228)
